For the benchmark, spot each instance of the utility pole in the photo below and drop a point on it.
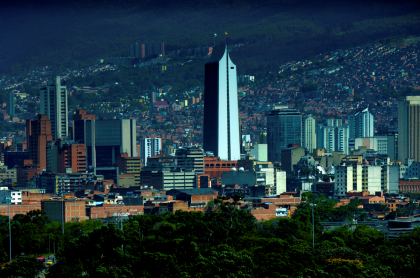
(313, 226)
(9, 199)
(122, 228)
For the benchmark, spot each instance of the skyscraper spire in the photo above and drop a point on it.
(221, 116)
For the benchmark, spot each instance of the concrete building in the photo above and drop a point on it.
(334, 122)
(16, 196)
(191, 159)
(166, 180)
(333, 139)
(221, 134)
(390, 178)
(290, 157)
(371, 178)
(262, 138)
(130, 165)
(26, 171)
(343, 181)
(409, 128)
(325, 138)
(360, 123)
(150, 147)
(7, 176)
(259, 152)
(71, 157)
(11, 159)
(409, 170)
(378, 143)
(284, 127)
(163, 172)
(341, 134)
(308, 133)
(214, 167)
(67, 210)
(63, 183)
(54, 104)
(106, 139)
(392, 147)
(273, 182)
(38, 134)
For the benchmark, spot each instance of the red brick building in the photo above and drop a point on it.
(106, 211)
(38, 133)
(214, 167)
(409, 186)
(72, 156)
(72, 210)
(26, 171)
(19, 209)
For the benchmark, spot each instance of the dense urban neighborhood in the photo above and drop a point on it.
(183, 164)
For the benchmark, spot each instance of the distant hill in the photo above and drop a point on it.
(66, 33)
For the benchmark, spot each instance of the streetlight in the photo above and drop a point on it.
(9, 199)
(313, 226)
(122, 227)
(62, 204)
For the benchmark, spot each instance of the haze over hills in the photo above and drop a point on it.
(70, 33)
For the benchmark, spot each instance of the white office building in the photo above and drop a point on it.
(308, 133)
(360, 123)
(150, 147)
(221, 115)
(409, 128)
(54, 104)
(6, 193)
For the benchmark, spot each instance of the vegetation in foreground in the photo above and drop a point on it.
(226, 242)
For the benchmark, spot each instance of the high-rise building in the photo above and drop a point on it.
(38, 133)
(360, 123)
(377, 143)
(71, 158)
(150, 147)
(154, 48)
(284, 127)
(333, 139)
(106, 139)
(334, 122)
(262, 138)
(221, 116)
(409, 128)
(308, 133)
(54, 105)
(191, 159)
(392, 147)
(325, 138)
(10, 104)
(130, 165)
(341, 134)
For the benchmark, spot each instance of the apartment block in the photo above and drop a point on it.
(130, 165)
(150, 147)
(54, 104)
(38, 134)
(67, 210)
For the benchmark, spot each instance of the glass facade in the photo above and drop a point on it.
(284, 127)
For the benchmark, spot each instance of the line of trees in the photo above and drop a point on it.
(225, 242)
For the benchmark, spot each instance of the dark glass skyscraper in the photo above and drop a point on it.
(221, 117)
(284, 127)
